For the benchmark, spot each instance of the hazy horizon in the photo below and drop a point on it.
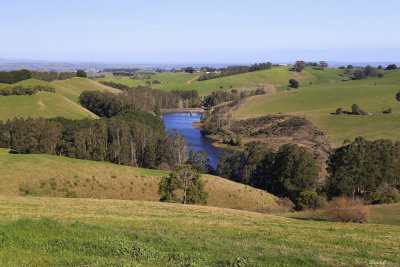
(210, 32)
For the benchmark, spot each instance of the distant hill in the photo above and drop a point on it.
(44, 104)
(330, 90)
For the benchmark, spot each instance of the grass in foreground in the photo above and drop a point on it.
(116, 232)
(46, 175)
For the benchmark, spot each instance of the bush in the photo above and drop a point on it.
(306, 200)
(342, 209)
(293, 83)
(71, 194)
(321, 203)
(286, 202)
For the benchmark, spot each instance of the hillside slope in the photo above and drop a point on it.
(42, 104)
(63, 103)
(318, 102)
(267, 79)
(89, 232)
(72, 88)
(48, 175)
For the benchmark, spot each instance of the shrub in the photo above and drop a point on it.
(306, 200)
(286, 202)
(388, 194)
(293, 83)
(321, 203)
(342, 209)
(71, 194)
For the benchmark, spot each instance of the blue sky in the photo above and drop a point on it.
(200, 31)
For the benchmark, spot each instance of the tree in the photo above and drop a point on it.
(370, 71)
(347, 71)
(189, 70)
(398, 96)
(339, 111)
(359, 75)
(299, 66)
(293, 83)
(294, 171)
(323, 65)
(391, 67)
(81, 73)
(355, 109)
(350, 67)
(185, 180)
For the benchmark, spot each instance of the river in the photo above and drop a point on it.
(183, 123)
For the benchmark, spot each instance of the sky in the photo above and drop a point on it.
(173, 31)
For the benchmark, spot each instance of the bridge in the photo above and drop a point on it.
(182, 110)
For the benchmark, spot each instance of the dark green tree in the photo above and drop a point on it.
(294, 171)
(299, 66)
(81, 73)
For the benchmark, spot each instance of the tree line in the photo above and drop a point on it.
(362, 168)
(11, 77)
(132, 137)
(233, 70)
(106, 104)
(25, 90)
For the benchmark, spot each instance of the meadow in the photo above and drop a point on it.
(268, 79)
(330, 91)
(59, 231)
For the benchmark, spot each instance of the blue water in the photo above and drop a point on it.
(183, 123)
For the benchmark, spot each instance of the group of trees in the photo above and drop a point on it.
(52, 75)
(368, 71)
(233, 70)
(28, 90)
(134, 138)
(14, 76)
(362, 168)
(367, 169)
(285, 173)
(219, 97)
(107, 104)
(20, 75)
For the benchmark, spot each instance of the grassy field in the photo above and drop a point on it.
(43, 104)
(317, 102)
(46, 175)
(273, 78)
(88, 232)
(72, 88)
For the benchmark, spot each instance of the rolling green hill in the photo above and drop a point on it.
(42, 104)
(48, 175)
(317, 102)
(63, 103)
(89, 232)
(268, 79)
(72, 88)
